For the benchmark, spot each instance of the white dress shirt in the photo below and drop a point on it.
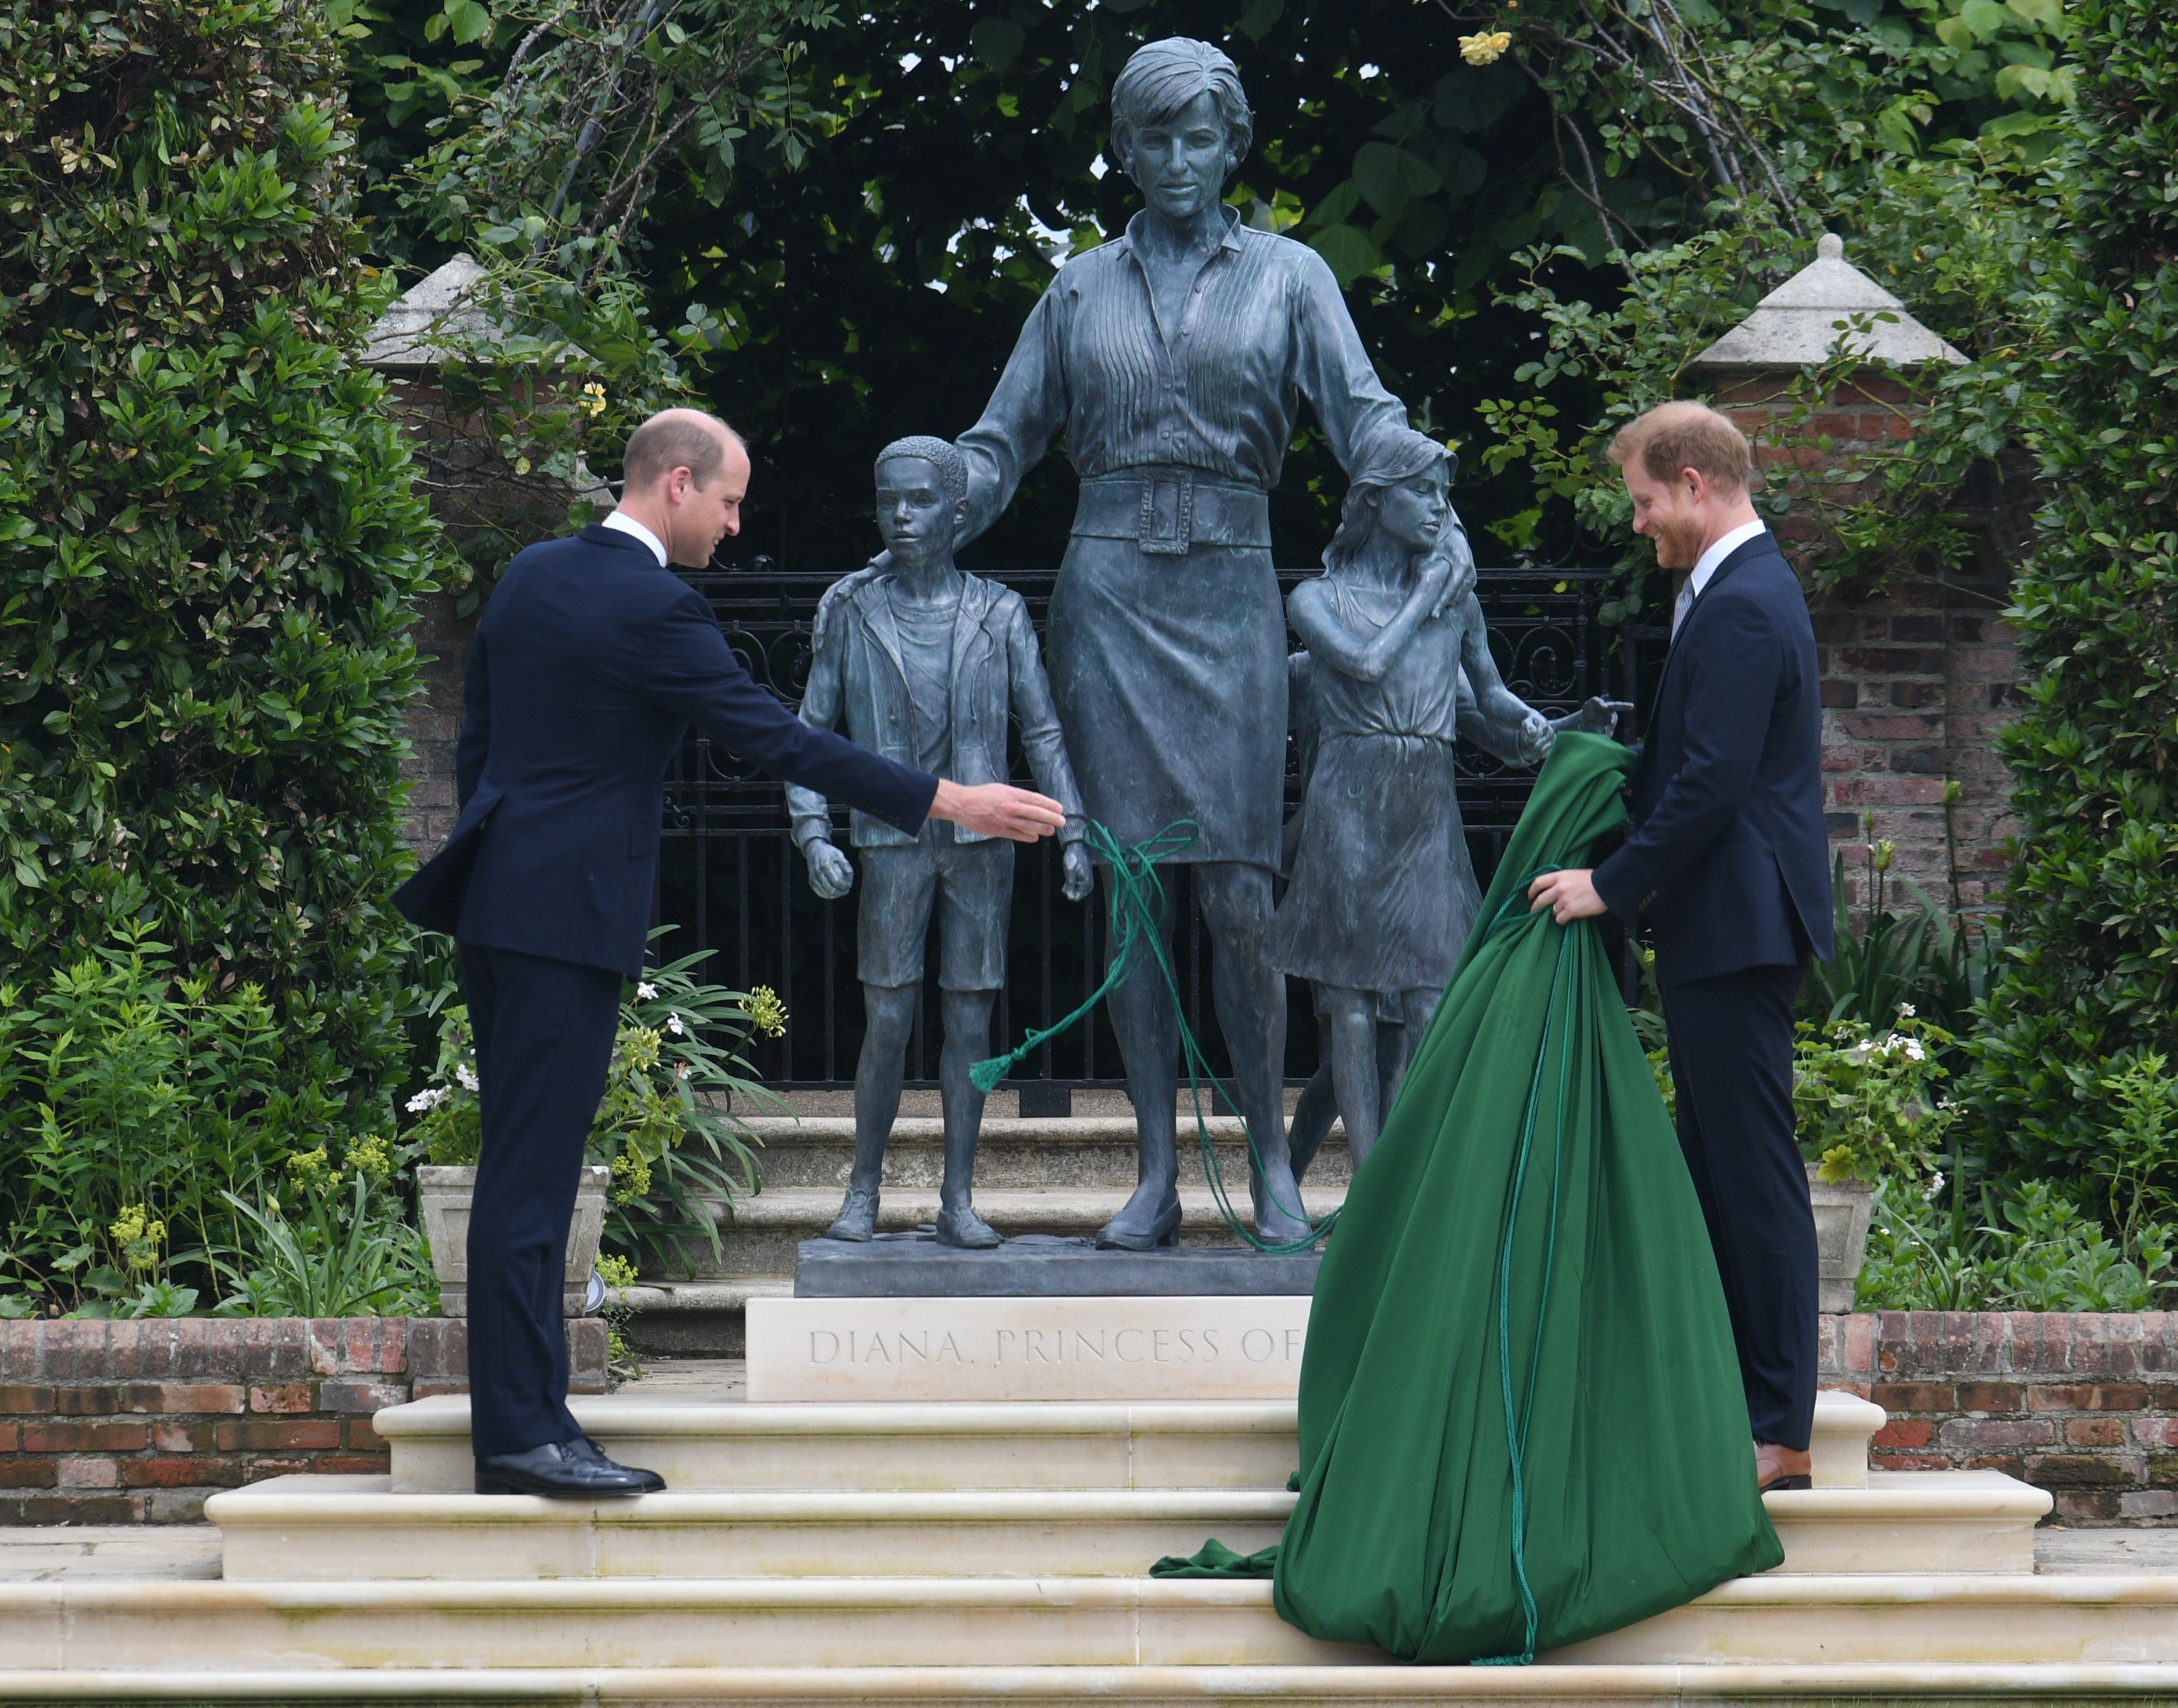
(628, 524)
(1706, 567)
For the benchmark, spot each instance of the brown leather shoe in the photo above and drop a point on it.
(1781, 1468)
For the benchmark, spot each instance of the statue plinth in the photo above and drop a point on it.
(1042, 1266)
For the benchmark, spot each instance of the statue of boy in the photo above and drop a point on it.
(923, 663)
(1383, 894)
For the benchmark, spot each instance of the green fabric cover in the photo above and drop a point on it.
(1527, 1198)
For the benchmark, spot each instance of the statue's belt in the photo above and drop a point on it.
(1164, 510)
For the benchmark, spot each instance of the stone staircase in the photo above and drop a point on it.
(1064, 1176)
(951, 1554)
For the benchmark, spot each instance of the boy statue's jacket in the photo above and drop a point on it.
(858, 686)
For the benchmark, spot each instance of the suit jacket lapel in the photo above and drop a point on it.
(1742, 553)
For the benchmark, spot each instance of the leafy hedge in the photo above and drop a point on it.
(2093, 897)
(208, 541)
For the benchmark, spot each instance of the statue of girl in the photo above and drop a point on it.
(1383, 894)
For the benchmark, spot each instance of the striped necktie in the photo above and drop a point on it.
(1683, 604)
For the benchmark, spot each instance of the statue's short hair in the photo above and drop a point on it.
(1159, 80)
(940, 452)
(676, 439)
(1685, 435)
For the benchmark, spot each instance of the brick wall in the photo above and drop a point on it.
(432, 723)
(106, 1423)
(2085, 1406)
(1916, 681)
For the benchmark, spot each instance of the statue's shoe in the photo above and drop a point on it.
(562, 1469)
(966, 1229)
(857, 1219)
(1281, 1218)
(1129, 1231)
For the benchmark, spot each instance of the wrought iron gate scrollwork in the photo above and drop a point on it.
(731, 881)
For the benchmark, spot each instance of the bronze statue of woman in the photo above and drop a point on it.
(1174, 359)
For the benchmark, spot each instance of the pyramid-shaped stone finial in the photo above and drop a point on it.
(1804, 319)
(432, 320)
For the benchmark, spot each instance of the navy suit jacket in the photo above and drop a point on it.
(590, 664)
(1728, 856)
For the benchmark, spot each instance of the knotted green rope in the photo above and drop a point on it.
(1137, 914)
(1517, 1419)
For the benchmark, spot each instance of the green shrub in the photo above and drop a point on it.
(1862, 1104)
(208, 544)
(2091, 978)
(131, 1097)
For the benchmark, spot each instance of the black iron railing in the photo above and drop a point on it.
(731, 881)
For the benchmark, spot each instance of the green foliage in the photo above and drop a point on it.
(128, 1097)
(207, 546)
(1927, 962)
(340, 1254)
(2091, 981)
(1862, 1104)
(2038, 1250)
(668, 1125)
(549, 129)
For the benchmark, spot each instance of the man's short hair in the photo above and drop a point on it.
(1672, 436)
(952, 471)
(1160, 79)
(676, 439)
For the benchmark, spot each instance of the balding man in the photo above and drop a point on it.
(589, 666)
(1727, 861)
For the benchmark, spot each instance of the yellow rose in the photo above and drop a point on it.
(1487, 48)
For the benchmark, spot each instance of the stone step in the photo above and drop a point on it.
(1094, 1153)
(292, 1528)
(187, 1634)
(1360, 1686)
(744, 1447)
(879, 1448)
(347, 1528)
(760, 1235)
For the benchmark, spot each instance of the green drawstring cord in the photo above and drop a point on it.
(1517, 1418)
(1137, 914)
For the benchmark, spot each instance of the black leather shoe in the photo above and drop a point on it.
(563, 1471)
(584, 1449)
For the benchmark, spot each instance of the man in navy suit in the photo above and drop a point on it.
(1727, 859)
(590, 664)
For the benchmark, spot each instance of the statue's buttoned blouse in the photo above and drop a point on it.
(1263, 327)
(1167, 636)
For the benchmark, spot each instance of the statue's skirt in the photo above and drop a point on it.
(1170, 676)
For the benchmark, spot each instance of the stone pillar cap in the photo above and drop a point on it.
(435, 318)
(1804, 319)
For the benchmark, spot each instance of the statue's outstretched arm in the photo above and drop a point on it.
(1026, 412)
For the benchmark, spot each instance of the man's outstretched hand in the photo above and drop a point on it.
(1570, 896)
(998, 809)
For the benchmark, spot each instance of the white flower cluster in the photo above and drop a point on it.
(673, 1025)
(427, 1099)
(646, 993)
(1896, 1041)
(1935, 1186)
(466, 1076)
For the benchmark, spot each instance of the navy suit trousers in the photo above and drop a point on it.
(545, 1038)
(1731, 1066)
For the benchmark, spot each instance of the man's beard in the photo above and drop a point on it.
(1678, 545)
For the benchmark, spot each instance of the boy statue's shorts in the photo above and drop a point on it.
(972, 885)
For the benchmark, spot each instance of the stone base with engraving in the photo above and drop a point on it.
(1153, 1347)
(1039, 1265)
